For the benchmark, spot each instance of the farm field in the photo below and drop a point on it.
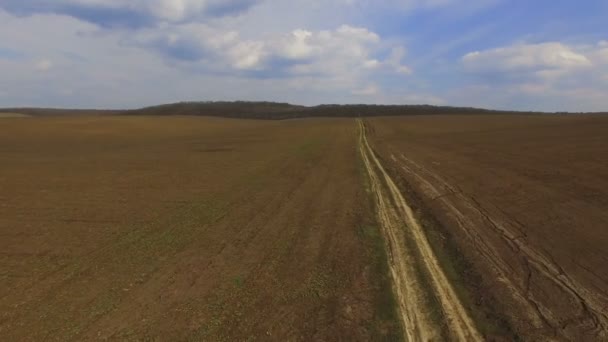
(517, 208)
(442, 227)
(12, 115)
(188, 228)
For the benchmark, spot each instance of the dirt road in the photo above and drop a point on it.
(429, 306)
(523, 200)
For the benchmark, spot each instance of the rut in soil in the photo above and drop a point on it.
(429, 307)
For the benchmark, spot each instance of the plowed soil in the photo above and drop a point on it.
(518, 205)
(463, 228)
(175, 228)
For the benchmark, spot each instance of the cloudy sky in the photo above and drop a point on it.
(510, 54)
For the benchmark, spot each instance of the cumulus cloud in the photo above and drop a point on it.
(395, 59)
(302, 44)
(199, 43)
(551, 63)
(550, 75)
(347, 51)
(526, 57)
(99, 67)
(531, 68)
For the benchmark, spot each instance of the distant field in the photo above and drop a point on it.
(13, 115)
(188, 229)
(456, 227)
(524, 201)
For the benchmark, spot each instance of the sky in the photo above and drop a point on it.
(501, 54)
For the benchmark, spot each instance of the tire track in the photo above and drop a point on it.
(591, 309)
(411, 255)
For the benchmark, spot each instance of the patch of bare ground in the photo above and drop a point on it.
(523, 200)
(174, 228)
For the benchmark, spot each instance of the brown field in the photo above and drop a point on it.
(518, 208)
(467, 228)
(182, 228)
(13, 115)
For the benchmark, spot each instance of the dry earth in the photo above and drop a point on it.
(181, 228)
(191, 228)
(519, 206)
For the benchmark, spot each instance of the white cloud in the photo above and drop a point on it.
(547, 76)
(97, 67)
(395, 59)
(173, 10)
(297, 44)
(101, 70)
(43, 65)
(347, 41)
(347, 52)
(523, 57)
(545, 62)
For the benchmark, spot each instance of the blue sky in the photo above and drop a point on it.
(525, 55)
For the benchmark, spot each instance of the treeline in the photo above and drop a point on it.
(272, 110)
(238, 109)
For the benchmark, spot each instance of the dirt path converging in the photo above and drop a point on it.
(429, 306)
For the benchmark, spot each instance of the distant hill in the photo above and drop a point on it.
(238, 109)
(270, 110)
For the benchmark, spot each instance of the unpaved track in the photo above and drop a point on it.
(421, 286)
(591, 311)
